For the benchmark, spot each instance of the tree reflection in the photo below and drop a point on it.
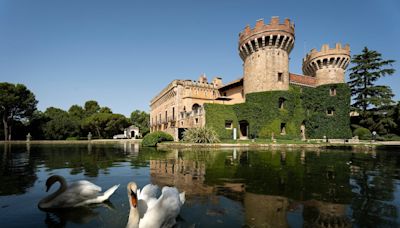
(373, 190)
(17, 171)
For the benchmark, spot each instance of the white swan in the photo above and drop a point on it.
(77, 194)
(149, 211)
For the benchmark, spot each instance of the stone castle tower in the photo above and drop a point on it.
(265, 51)
(328, 65)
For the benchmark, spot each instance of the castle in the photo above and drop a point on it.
(268, 100)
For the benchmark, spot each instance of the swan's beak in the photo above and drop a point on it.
(133, 199)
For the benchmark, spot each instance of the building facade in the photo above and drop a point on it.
(265, 51)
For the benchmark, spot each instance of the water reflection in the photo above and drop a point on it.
(59, 218)
(233, 188)
(16, 170)
(322, 186)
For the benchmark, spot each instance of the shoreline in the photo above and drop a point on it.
(94, 141)
(348, 146)
(176, 145)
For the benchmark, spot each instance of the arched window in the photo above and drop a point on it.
(281, 102)
(196, 109)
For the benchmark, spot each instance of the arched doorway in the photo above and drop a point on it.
(244, 129)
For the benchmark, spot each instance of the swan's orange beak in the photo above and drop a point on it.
(133, 199)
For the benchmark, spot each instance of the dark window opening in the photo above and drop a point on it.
(224, 94)
(196, 120)
(283, 128)
(330, 111)
(332, 91)
(280, 77)
(281, 102)
(173, 113)
(228, 124)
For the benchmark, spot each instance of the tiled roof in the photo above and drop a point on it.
(302, 80)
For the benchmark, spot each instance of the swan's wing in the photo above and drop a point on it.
(85, 189)
(164, 211)
(149, 191)
(76, 193)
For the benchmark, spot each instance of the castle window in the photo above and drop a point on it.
(283, 128)
(196, 120)
(280, 77)
(166, 116)
(281, 102)
(330, 111)
(173, 113)
(228, 124)
(332, 91)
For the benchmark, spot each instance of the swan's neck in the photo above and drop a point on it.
(133, 220)
(63, 186)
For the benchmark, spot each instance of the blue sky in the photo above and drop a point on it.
(122, 53)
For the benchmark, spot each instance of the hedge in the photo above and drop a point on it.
(155, 137)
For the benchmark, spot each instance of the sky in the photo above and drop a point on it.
(122, 53)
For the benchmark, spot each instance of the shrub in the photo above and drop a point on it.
(362, 133)
(201, 135)
(155, 137)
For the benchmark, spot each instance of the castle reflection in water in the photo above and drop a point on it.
(278, 188)
(264, 210)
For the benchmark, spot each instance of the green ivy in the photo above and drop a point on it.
(301, 105)
(216, 115)
(316, 103)
(264, 115)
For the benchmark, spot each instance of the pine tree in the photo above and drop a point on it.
(368, 68)
(371, 100)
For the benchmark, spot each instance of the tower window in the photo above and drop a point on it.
(280, 77)
(281, 102)
(196, 120)
(330, 111)
(332, 91)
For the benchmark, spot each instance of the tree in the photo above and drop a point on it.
(141, 119)
(105, 125)
(91, 107)
(16, 103)
(368, 68)
(77, 112)
(60, 124)
(373, 102)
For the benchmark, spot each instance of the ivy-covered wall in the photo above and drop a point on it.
(216, 115)
(264, 115)
(317, 101)
(307, 106)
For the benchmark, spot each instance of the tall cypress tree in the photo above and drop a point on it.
(368, 68)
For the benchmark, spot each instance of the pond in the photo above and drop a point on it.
(224, 188)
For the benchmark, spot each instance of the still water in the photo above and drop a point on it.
(224, 188)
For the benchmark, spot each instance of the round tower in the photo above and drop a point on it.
(328, 65)
(265, 52)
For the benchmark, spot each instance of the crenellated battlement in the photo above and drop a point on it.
(326, 50)
(274, 34)
(328, 64)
